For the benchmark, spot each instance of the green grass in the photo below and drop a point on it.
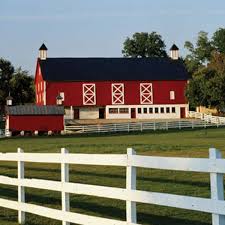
(190, 143)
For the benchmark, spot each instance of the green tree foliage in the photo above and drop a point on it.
(17, 82)
(144, 45)
(207, 86)
(6, 73)
(206, 64)
(22, 87)
(218, 40)
(200, 54)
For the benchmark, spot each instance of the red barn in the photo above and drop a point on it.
(34, 118)
(91, 88)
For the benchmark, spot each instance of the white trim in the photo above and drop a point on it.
(117, 93)
(89, 94)
(146, 93)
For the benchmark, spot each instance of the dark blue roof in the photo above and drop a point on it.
(99, 69)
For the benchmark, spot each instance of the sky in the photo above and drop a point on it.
(98, 28)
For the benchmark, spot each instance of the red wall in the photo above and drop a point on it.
(39, 123)
(74, 95)
(39, 80)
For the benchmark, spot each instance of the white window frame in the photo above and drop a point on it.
(172, 95)
(117, 93)
(146, 93)
(89, 94)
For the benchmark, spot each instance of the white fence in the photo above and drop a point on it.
(208, 118)
(214, 205)
(140, 126)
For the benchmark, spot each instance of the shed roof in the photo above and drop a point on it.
(35, 110)
(101, 69)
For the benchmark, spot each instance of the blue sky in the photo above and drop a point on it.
(98, 28)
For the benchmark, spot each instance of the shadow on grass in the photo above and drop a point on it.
(113, 176)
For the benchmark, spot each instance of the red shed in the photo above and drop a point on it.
(91, 88)
(34, 118)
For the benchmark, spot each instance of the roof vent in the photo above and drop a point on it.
(174, 52)
(43, 52)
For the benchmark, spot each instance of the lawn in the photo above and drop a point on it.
(190, 143)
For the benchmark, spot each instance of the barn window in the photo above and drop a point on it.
(124, 110)
(117, 94)
(146, 93)
(156, 110)
(167, 109)
(113, 110)
(139, 110)
(172, 95)
(162, 110)
(89, 96)
(150, 110)
(173, 110)
(145, 110)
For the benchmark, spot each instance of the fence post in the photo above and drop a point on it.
(216, 183)
(192, 124)
(131, 211)
(65, 178)
(21, 190)
(128, 127)
(166, 125)
(141, 127)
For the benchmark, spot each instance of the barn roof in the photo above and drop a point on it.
(35, 110)
(99, 69)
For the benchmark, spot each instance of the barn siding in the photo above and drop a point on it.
(89, 113)
(33, 123)
(74, 96)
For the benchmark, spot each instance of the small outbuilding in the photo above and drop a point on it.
(33, 118)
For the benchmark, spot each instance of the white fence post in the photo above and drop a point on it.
(65, 178)
(141, 126)
(216, 183)
(21, 190)
(131, 211)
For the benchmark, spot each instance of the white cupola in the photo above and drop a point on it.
(174, 52)
(43, 52)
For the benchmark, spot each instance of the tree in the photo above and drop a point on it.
(200, 54)
(218, 40)
(207, 86)
(22, 87)
(6, 73)
(144, 45)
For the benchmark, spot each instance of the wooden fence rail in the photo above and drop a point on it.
(214, 165)
(141, 126)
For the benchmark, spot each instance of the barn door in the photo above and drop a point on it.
(133, 113)
(76, 114)
(182, 112)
